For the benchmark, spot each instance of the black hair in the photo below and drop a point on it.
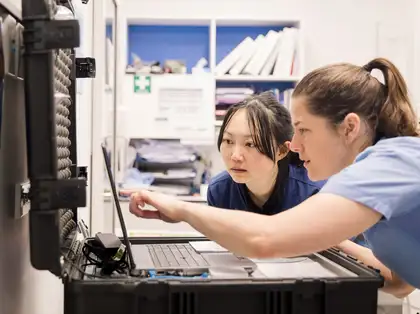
(270, 124)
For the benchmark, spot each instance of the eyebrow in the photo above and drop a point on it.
(296, 123)
(246, 135)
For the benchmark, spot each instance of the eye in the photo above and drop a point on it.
(302, 131)
(227, 141)
(250, 145)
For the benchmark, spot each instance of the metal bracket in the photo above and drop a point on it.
(41, 35)
(22, 202)
(85, 67)
(56, 194)
(82, 172)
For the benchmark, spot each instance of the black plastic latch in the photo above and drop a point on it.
(85, 67)
(82, 172)
(42, 35)
(56, 194)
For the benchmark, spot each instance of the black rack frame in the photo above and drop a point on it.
(41, 36)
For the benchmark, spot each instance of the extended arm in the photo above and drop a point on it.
(320, 222)
(317, 224)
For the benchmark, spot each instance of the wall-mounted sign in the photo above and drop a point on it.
(142, 84)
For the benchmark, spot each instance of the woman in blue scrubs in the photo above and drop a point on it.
(361, 134)
(262, 175)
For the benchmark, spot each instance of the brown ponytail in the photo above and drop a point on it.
(336, 90)
(396, 116)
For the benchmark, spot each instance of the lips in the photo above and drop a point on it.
(238, 170)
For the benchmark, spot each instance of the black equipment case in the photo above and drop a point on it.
(58, 188)
(344, 295)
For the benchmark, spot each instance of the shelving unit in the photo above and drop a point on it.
(255, 78)
(191, 39)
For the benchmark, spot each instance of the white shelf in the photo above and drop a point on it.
(169, 21)
(228, 78)
(256, 22)
(251, 78)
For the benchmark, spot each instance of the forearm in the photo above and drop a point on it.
(393, 284)
(244, 237)
(307, 228)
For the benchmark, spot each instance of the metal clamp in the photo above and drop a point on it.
(22, 202)
(41, 35)
(85, 67)
(56, 194)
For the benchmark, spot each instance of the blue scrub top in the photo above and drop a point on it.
(386, 178)
(223, 192)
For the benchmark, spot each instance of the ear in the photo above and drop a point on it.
(283, 150)
(350, 127)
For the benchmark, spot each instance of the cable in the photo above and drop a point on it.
(107, 260)
(81, 270)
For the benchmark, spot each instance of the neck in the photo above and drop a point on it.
(358, 147)
(261, 190)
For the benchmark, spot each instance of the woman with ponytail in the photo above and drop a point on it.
(361, 134)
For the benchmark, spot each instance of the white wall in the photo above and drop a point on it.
(84, 13)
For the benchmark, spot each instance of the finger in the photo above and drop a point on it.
(135, 202)
(133, 206)
(147, 214)
(139, 199)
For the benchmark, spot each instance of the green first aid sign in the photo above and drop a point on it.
(142, 84)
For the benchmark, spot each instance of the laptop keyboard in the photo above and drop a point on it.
(173, 255)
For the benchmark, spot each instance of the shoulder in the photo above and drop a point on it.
(300, 175)
(218, 188)
(392, 158)
(221, 178)
(397, 148)
(383, 177)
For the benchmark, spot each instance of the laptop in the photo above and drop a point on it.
(167, 257)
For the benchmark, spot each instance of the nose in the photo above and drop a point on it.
(237, 154)
(295, 145)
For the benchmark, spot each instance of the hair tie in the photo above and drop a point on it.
(381, 78)
(367, 68)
